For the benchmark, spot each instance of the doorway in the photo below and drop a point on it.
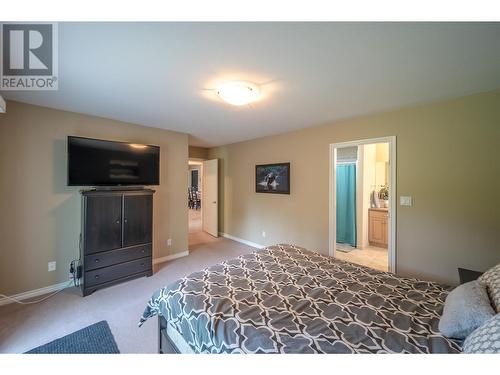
(202, 201)
(195, 190)
(362, 202)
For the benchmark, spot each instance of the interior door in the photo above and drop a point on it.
(137, 214)
(209, 202)
(103, 223)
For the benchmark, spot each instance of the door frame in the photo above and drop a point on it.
(332, 195)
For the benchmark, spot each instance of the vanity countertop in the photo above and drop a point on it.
(385, 209)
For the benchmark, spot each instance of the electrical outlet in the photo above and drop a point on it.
(169, 242)
(52, 266)
(264, 234)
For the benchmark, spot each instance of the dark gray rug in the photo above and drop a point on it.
(94, 339)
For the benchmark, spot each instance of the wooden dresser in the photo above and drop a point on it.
(117, 229)
(378, 229)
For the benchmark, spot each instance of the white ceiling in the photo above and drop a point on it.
(157, 74)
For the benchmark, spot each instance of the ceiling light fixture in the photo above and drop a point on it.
(238, 93)
(139, 146)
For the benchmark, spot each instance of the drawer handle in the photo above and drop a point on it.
(96, 276)
(117, 221)
(142, 264)
(143, 251)
(97, 260)
(125, 220)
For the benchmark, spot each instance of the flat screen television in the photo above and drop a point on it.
(97, 162)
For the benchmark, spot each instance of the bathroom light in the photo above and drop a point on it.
(238, 93)
(3, 105)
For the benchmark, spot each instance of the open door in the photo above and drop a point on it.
(210, 211)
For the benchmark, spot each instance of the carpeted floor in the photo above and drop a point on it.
(23, 327)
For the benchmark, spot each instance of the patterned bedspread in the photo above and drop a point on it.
(285, 299)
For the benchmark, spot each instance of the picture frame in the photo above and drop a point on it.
(272, 178)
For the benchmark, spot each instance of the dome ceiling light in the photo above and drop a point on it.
(238, 93)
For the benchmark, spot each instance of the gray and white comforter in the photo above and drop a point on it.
(285, 299)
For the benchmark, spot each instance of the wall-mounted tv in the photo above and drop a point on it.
(97, 162)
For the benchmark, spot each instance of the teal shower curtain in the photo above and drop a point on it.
(346, 204)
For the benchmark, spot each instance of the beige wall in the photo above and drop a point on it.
(382, 152)
(382, 164)
(40, 215)
(448, 159)
(198, 152)
(368, 185)
(369, 167)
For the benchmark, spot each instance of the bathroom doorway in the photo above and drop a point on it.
(362, 202)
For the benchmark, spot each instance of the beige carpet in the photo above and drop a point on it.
(23, 327)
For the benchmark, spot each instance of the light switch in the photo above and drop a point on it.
(405, 201)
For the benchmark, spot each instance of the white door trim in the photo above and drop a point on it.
(241, 240)
(332, 196)
(210, 197)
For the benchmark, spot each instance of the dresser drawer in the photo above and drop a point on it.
(378, 214)
(103, 275)
(108, 258)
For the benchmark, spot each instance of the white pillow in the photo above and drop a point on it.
(466, 308)
(485, 339)
(491, 279)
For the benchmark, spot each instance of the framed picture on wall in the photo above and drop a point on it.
(272, 178)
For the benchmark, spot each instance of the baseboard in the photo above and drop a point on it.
(54, 288)
(36, 293)
(171, 257)
(249, 243)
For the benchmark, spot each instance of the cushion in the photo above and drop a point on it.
(466, 308)
(485, 339)
(491, 279)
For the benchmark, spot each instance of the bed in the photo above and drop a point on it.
(286, 299)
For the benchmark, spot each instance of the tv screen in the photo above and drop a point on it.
(95, 162)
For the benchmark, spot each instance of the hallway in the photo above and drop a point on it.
(194, 221)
